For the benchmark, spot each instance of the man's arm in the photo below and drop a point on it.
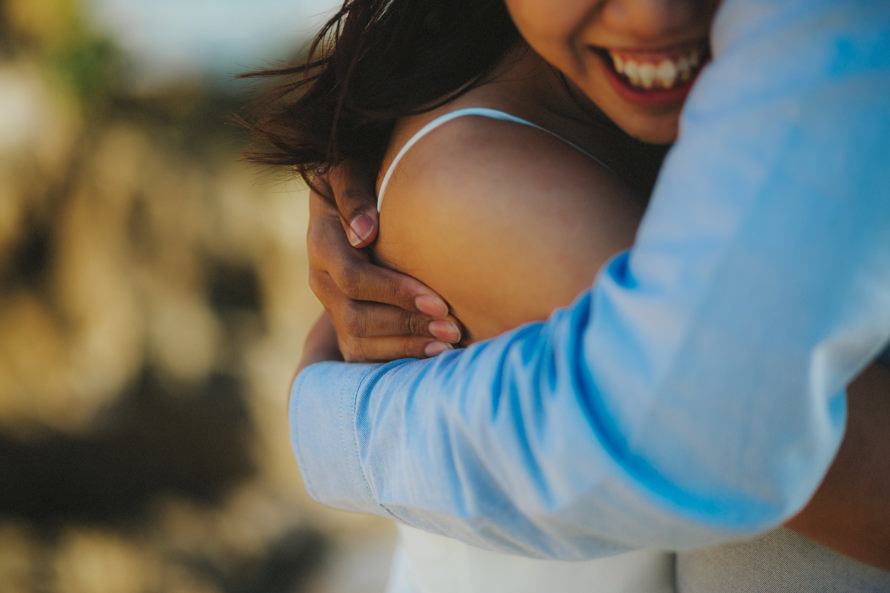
(695, 394)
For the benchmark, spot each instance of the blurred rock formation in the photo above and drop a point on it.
(152, 307)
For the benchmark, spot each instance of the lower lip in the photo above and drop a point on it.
(651, 98)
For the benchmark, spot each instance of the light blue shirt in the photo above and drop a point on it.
(695, 394)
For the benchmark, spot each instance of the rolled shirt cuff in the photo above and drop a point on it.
(321, 414)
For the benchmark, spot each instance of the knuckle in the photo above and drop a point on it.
(316, 289)
(318, 284)
(318, 242)
(316, 258)
(401, 289)
(350, 281)
(354, 350)
(352, 200)
(412, 324)
(353, 322)
(411, 349)
(320, 188)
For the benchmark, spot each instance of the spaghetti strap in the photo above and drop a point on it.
(467, 112)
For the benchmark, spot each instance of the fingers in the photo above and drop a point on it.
(354, 274)
(368, 319)
(390, 348)
(370, 331)
(351, 186)
(378, 314)
(365, 281)
(373, 320)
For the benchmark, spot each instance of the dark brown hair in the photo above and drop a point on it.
(373, 62)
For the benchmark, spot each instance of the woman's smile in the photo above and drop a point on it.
(635, 59)
(654, 75)
(653, 78)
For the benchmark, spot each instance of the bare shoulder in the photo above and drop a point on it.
(475, 166)
(484, 210)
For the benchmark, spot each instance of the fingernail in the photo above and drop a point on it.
(431, 305)
(353, 239)
(444, 330)
(361, 228)
(434, 348)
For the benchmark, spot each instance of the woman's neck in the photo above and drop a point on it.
(535, 90)
(524, 85)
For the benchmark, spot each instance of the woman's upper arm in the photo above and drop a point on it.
(503, 220)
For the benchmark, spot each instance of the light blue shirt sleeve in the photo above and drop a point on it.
(695, 394)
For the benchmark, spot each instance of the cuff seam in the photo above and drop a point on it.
(356, 444)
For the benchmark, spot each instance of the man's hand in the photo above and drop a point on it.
(378, 314)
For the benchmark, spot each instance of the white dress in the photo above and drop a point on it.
(430, 563)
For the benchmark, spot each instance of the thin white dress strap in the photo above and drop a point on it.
(466, 112)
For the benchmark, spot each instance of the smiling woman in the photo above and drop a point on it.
(655, 79)
(649, 51)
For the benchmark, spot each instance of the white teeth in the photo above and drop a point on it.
(666, 73)
(632, 71)
(647, 75)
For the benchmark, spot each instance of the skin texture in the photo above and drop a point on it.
(461, 195)
(489, 288)
(478, 174)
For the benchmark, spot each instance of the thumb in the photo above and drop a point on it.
(361, 229)
(352, 188)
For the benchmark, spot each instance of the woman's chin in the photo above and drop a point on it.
(647, 125)
(659, 132)
(661, 137)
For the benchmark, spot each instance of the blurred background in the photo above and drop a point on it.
(153, 303)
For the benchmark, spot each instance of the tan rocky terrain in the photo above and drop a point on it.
(153, 302)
